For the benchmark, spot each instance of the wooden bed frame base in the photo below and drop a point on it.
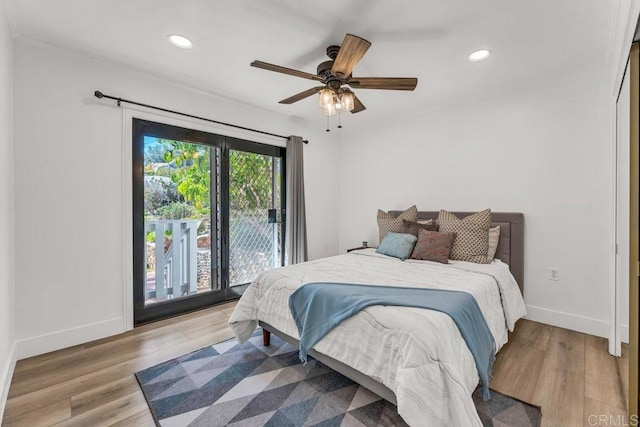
(266, 338)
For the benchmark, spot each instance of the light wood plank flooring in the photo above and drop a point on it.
(571, 375)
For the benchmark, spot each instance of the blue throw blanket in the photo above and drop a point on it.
(319, 307)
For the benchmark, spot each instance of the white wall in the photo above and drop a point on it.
(7, 337)
(545, 151)
(69, 189)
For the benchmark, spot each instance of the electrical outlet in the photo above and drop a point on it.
(554, 274)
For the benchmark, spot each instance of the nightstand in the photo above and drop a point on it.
(361, 247)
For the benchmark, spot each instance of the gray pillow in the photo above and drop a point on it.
(397, 245)
(414, 228)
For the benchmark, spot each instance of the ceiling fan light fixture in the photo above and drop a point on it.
(479, 55)
(326, 97)
(346, 99)
(180, 41)
(329, 110)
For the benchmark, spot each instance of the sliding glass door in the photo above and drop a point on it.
(255, 245)
(207, 217)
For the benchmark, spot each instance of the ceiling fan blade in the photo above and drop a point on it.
(357, 105)
(351, 52)
(285, 70)
(389, 83)
(301, 95)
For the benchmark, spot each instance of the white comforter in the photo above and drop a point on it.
(419, 354)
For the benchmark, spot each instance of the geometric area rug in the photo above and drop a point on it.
(228, 384)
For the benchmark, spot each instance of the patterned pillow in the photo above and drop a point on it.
(433, 246)
(414, 227)
(387, 223)
(472, 235)
(398, 245)
(494, 239)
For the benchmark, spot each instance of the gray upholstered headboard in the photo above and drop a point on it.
(511, 246)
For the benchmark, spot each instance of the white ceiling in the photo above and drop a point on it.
(429, 39)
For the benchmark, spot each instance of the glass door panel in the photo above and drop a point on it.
(255, 226)
(177, 219)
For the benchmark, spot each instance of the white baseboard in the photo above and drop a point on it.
(41, 344)
(5, 378)
(587, 325)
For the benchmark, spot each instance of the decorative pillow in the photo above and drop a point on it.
(494, 239)
(411, 227)
(398, 245)
(387, 223)
(427, 221)
(472, 235)
(434, 246)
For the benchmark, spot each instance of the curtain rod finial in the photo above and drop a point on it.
(98, 94)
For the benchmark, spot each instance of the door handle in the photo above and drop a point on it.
(272, 216)
(275, 216)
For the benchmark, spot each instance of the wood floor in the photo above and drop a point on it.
(570, 375)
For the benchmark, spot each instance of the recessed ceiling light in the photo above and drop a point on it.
(479, 55)
(180, 41)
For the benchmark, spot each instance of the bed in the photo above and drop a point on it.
(413, 357)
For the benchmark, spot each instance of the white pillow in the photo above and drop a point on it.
(494, 239)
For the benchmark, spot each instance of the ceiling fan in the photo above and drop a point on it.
(336, 73)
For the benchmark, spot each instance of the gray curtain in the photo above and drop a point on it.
(296, 219)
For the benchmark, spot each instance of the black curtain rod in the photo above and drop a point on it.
(101, 95)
